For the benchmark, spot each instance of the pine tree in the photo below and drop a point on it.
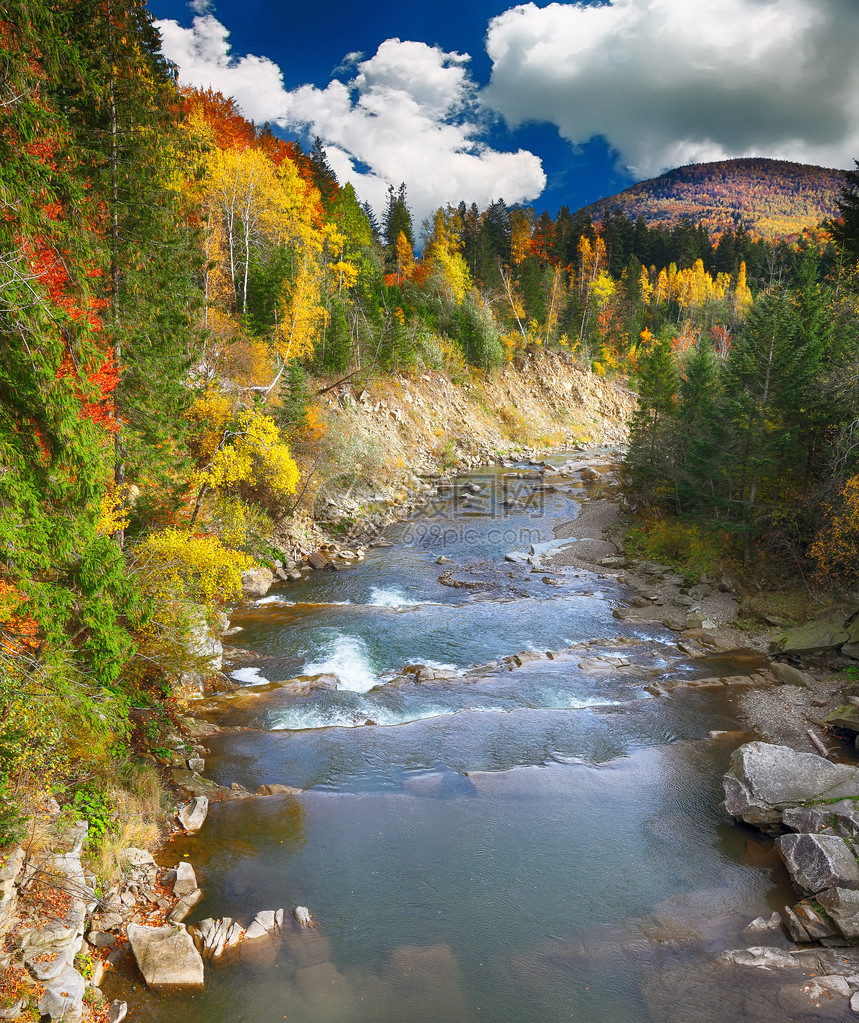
(649, 465)
(845, 229)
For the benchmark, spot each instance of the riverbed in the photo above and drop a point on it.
(514, 842)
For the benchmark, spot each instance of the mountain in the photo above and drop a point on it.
(773, 198)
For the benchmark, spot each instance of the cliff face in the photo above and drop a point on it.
(431, 421)
(383, 436)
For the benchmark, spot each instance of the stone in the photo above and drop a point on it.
(838, 818)
(184, 906)
(761, 957)
(265, 924)
(166, 956)
(764, 779)
(132, 857)
(301, 915)
(196, 764)
(213, 937)
(772, 923)
(812, 637)
(816, 862)
(442, 560)
(63, 997)
(842, 905)
(186, 880)
(14, 1010)
(815, 925)
(791, 676)
(318, 561)
(256, 582)
(101, 939)
(794, 927)
(192, 815)
(117, 1011)
(277, 790)
(846, 716)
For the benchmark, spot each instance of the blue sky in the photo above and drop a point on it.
(543, 104)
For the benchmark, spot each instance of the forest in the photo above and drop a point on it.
(175, 284)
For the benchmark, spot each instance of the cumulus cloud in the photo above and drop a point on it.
(669, 82)
(203, 55)
(410, 113)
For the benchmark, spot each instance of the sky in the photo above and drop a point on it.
(543, 105)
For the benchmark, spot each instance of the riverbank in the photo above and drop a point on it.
(654, 595)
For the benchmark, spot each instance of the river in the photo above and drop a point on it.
(517, 844)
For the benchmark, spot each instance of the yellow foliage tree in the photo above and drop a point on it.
(238, 446)
(835, 550)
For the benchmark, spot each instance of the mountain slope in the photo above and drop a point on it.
(773, 198)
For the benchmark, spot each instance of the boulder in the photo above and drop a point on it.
(265, 924)
(839, 818)
(815, 924)
(842, 905)
(762, 957)
(192, 815)
(771, 923)
(184, 906)
(166, 956)
(213, 937)
(63, 996)
(813, 636)
(117, 1011)
(132, 857)
(301, 915)
(846, 716)
(763, 780)
(186, 880)
(816, 862)
(256, 582)
(791, 676)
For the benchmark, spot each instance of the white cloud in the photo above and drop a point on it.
(204, 58)
(409, 114)
(669, 82)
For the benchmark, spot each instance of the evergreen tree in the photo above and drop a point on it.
(650, 461)
(701, 426)
(845, 229)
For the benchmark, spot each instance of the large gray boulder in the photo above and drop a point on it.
(764, 779)
(816, 862)
(839, 818)
(842, 906)
(166, 956)
(63, 996)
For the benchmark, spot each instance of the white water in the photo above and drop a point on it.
(300, 718)
(349, 660)
(393, 597)
(249, 676)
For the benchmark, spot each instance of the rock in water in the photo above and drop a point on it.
(193, 814)
(816, 862)
(302, 917)
(186, 880)
(764, 779)
(166, 956)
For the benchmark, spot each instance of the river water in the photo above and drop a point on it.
(538, 844)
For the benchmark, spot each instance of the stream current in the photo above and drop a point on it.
(523, 845)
